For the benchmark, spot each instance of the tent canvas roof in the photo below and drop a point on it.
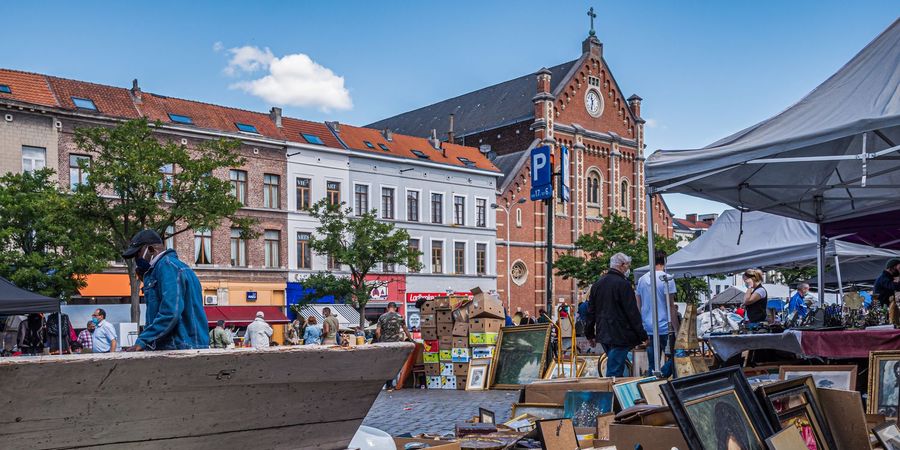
(766, 241)
(15, 300)
(806, 161)
(730, 296)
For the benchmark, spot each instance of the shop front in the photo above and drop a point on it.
(250, 297)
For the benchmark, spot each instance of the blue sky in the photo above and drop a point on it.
(704, 69)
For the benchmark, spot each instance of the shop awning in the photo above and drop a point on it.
(106, 285)
(243, 315)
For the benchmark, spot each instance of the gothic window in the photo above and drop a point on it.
(594, 193)
(624, 196)
(518, 272)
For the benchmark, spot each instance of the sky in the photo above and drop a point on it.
(704, 69)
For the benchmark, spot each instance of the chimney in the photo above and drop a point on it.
(436, 143)
(335, 126)
(450, 133)
(135, 91)
(634, 102)
(691, 217)
(275, 115)
(543, 79)
(388, 134)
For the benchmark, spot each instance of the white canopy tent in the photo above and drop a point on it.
(832, 156)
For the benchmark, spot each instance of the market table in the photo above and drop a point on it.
(823, 344)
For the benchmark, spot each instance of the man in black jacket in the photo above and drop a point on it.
(613, 317)
(885, 286)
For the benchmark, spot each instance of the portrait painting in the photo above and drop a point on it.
(583, 407)
(884, 382)
(832, 377)
(722, 423)
(888, 435)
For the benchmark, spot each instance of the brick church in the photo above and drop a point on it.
(577, 104)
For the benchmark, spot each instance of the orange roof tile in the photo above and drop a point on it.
(109, 100)
(293, 130)
(402, 146)
(205, 115)
(27, 87)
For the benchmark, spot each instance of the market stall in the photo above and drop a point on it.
(842, 344)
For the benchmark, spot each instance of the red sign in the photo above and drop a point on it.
(412, 297)
(392, 290)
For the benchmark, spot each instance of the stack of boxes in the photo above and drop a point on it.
(456, 331)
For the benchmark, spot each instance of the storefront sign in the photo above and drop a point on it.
(251, 296)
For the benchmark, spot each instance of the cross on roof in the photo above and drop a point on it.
(593, 16)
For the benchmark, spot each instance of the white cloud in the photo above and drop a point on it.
(218, 46)
(652, 123)
(293, 80)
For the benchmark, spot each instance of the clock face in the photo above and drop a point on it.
(593, 102)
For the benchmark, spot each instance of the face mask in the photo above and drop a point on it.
(627, 273)
(95, 320)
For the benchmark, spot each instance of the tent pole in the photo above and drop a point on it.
(820, 265)
(652, 258)
(837, 268)
(59, 327)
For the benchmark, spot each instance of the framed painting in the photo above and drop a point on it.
(554, 369)
(476, 378)
(520, 357)
(888, 435)
(591, 367)
(539, 410)
(651, 392)
(717, 410)
(795, 404)
(485, 416)
(884, 381)
(627, 393)
(583, 407)
(832, 377)
(558, 434)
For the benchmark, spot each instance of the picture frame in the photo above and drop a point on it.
(602, 367)
(591, 367)
(558, 434)
(476, 377)
(832, 377)
(651, 392)
(787, 439)
(888, 434)
(717, 407)
(795, 403)
(520, 356)
(627, 393)
(539, 410)
(583, 407)
(552, 372)
(884, 378)
(486, 416)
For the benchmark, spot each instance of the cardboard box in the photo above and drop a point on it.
(461, 328)
(460, 355)
(427, 307)
(446, 342)
(441, 304)
(431, 357)
(485, 306)
(432, 345)
(460, 341)
(456, 300)
(446, 355)
(461, 382)
(445, 329)
(491, 338)
(448, 382)
(443, 317)
(429, 333)
(483, 325)
(433, 382)
(554, 391)
(483, 338)
(483, 351)
(446, 369)
(460, 369)
(844, 411)
(461, 312)
(433, 444)
(432, 369)
(428, 320)
(647, 437)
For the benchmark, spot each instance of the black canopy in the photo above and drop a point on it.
(14, 300)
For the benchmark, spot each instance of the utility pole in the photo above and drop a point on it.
(549, 272)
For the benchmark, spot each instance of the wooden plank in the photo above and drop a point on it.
(167, 397)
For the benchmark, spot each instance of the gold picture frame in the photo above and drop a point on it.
(846, 382)
(879, 362)
(536, 335)
(552, 373)
(591, 367)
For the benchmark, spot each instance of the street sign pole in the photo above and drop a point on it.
(549, 272)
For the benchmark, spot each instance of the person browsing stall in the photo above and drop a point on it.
(613, 318)
(755, 298)
(798, 301)
(665, 302)
(886, 284)
(175, 317)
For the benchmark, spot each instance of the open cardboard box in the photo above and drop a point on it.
(434, 443)
(648, 437)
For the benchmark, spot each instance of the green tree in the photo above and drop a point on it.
(323, 284)
(139, 181)
(361, 243)
(45, 246)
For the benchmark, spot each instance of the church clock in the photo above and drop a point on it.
(593, 102)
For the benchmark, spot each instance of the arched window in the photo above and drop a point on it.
(624, 196)
(519, 217)
(594, 193)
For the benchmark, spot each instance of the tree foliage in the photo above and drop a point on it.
(45, 246)
(138, 180)
(324, 284)
(361, 243)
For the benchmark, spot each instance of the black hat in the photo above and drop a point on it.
(392, 305)
(891, 263)
(142, 238)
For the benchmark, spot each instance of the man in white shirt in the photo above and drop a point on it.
(258, 332)
(665, 301)
(104, 337)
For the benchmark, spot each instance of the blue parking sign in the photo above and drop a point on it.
(541, 175)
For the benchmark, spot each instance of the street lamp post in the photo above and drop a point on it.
(508, 267)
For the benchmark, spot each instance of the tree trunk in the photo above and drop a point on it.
(135, 284)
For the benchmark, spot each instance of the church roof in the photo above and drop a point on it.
(491, 107)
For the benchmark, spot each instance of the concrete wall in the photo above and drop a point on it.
(27, 129)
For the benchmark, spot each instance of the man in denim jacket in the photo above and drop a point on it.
(175, 317)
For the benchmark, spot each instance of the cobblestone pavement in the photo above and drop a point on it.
(434, 411)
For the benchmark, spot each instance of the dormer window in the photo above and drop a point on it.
(466, 161)
(312, 139)
(420, 154)
(84, 103)
(4, 89)
(178, 118)
(246, 128)
(369, 145)
(384, 147)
